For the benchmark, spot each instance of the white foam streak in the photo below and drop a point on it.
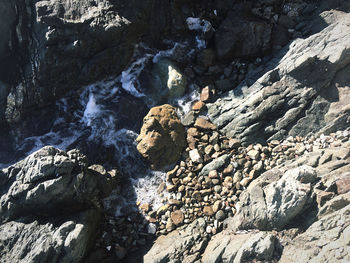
(91, 110)
(130, 76)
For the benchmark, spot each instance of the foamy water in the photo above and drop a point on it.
(91, 115)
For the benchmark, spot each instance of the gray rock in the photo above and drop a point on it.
(272, 206)
(216, 164)
(326, 240)
(239, 36)
(172, 247)
(49, 207)
(66, 241)
(226, 247)
(60, 45)
(298, 96)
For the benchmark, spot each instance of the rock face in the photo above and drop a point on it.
(162, 137)
(241, 37)
(274, 206)
(326, 240)
(306, 92)
(50, 203)
(240, 247)
(82, 41)
(171, 248)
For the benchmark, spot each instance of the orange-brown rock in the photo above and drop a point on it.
(177, 217)
(204, 124)
(162, 137)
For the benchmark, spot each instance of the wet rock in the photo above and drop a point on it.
(169, 82)
(206, 94)
(162, 137)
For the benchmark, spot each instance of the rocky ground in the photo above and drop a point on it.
(259, 165)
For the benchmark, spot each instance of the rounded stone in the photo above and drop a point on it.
(220, 215)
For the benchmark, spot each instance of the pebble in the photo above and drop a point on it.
(220, 215)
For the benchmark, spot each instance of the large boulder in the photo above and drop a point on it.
(162, 137)
(50, 207)
(306, 92)
(244, 247)
(272, 206)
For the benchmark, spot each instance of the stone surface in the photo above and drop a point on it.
(162, 137)
(171, 248)
(307, 90)
(276, 204)
(326, 240)
(204, 124)
(238, 37)
(236, 248)
(50, 201)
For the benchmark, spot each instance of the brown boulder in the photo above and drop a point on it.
(162, 137)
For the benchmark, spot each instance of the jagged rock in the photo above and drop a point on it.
(306, 92)
(272, 206)
(49, 207)
(66, 44)
(171, 248)
(162, 137)
(65, 240)
(239, 36)
(326, 240)
(226, 247)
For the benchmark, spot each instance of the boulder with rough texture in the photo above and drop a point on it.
(166, 81)
(171, 248)
(326, 240)
(272, 206)
(49, 207)
(162, 137)
(239, 36)
(226, 247)
(306, 92)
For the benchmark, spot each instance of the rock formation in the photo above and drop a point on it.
(306, 92)
(162, 137)
(51, 202)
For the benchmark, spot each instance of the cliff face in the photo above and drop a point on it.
(268, 77)
(50, 47)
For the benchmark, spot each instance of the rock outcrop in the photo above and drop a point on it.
(306, 92)
(50, 207)
(299, 207)
(162, 137)
(274, 206)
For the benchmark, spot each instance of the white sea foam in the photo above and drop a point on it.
(91, 110)
(146, 189)
(129, 77)
(185, 102)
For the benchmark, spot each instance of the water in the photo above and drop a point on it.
(107, 115)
